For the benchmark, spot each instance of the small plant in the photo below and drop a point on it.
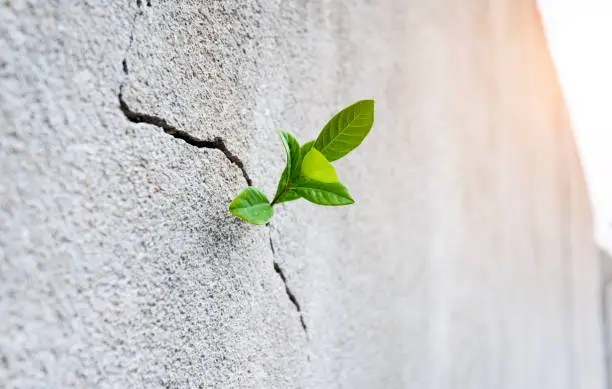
(309, 173)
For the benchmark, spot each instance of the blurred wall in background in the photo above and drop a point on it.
(467, 262)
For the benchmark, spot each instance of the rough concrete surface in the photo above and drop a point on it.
(467, 262)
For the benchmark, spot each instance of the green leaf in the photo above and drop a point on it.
(303, 151)
(283, 193)
(291, 195)
(306, 148)
(346, 130)
(323, 193)
(287, 196)
(292, 149)
(317, 168)
(282, 184)
(252, 205)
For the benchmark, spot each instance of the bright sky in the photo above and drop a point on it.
(580, 39)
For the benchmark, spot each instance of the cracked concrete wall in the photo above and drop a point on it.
(127, 127)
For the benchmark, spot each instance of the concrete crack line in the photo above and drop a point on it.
(290, 294)
(124, 63)
(137, 117)
(217, 143)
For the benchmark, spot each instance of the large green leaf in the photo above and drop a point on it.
(323, 193)
(252, 205)
(292, 149)
(315, 167)
(346, 130)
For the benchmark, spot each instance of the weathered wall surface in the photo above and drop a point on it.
(468, 261)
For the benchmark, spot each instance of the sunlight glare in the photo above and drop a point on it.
(579, 33)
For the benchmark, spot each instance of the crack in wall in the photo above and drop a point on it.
(136, 117)
(290, 294)
(217, 143)
(124, 63)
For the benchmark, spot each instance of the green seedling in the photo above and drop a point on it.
(309, 173)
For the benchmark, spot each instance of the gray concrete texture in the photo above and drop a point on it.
(467, 262)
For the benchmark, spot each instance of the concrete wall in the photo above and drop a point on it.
(606, 309)
(467, 262)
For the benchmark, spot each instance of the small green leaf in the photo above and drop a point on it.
(282, 184)
(317, 168)
(291, 195)
(252, 205)
(303, 151)
(306, 148)
(346, 130)
(323, 193)
(292, 149)
(287, 196)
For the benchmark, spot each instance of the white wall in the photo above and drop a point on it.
(467, 262)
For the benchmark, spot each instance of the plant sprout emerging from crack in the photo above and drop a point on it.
(309, 173)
